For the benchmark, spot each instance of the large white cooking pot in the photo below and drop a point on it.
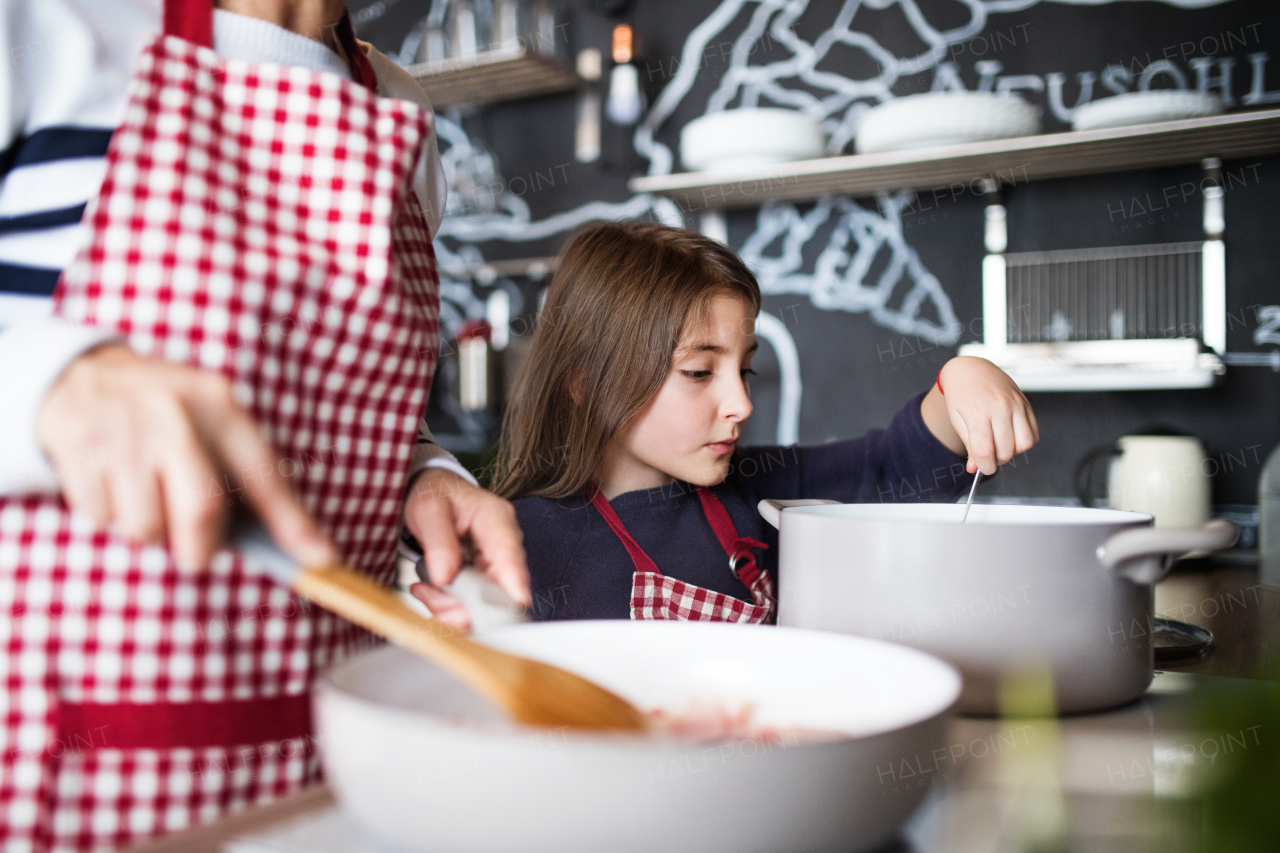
(430, 766)
(1015, 587)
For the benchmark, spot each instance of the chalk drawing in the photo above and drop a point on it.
(865, 266)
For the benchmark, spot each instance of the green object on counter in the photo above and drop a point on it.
(1239, 779)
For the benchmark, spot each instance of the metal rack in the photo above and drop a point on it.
(1125, 318)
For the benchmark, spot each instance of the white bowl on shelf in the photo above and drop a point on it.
(747, 137)
(1144, 108)
(944, 118)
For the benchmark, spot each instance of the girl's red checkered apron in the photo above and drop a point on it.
(656, 596)
(256, 220)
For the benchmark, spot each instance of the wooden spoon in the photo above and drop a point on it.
(533, 693)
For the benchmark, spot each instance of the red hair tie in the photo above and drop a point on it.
(940, 391)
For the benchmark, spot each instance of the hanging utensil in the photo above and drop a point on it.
(533, 693)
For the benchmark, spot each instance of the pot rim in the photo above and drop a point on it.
(950, 514)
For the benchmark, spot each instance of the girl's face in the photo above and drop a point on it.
(689, 429)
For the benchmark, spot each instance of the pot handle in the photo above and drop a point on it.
(1144, 555)
(771, 511)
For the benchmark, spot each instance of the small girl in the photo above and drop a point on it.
(619, 448)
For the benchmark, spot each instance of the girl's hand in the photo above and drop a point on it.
(982, 414)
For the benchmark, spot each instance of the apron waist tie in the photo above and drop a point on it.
(179, 725)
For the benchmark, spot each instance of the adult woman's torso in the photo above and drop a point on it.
(141, 699)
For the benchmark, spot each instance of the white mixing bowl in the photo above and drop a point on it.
(428, 765)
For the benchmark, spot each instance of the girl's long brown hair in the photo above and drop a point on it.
(603, 346)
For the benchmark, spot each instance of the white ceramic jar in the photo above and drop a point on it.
(1164, 476)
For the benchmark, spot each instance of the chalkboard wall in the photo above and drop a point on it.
(855, 372)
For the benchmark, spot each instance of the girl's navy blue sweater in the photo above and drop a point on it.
(580, 570)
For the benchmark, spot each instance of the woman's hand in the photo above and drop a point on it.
(155, 448)
(448, 516)
(982, 414)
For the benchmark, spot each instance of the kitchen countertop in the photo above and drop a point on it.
(1001, 785)
(1231, 602)
(1095, 781)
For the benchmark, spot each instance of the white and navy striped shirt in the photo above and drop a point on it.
(63, 89)
(47, 179)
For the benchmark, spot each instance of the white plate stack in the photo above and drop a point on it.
(1144, 108)
(748, 137)
(944, 118)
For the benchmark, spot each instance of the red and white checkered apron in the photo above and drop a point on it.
(256, 220)
(656, 596)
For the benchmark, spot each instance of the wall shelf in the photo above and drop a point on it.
(1122, 365)
(493, 76)
(1015, 161)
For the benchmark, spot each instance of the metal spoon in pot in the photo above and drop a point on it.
(976, 477)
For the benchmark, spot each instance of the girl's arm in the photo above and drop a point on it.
(975, 409)
(902, 462)
(920, 456)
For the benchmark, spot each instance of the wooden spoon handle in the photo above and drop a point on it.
(357, 599)
(533, 693)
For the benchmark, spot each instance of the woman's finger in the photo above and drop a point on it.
(430, 518)
(84, 486)
(132, 479)
(134, 487)
(190, 483)
(444, 606)
(497, 536)
(255, 468)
